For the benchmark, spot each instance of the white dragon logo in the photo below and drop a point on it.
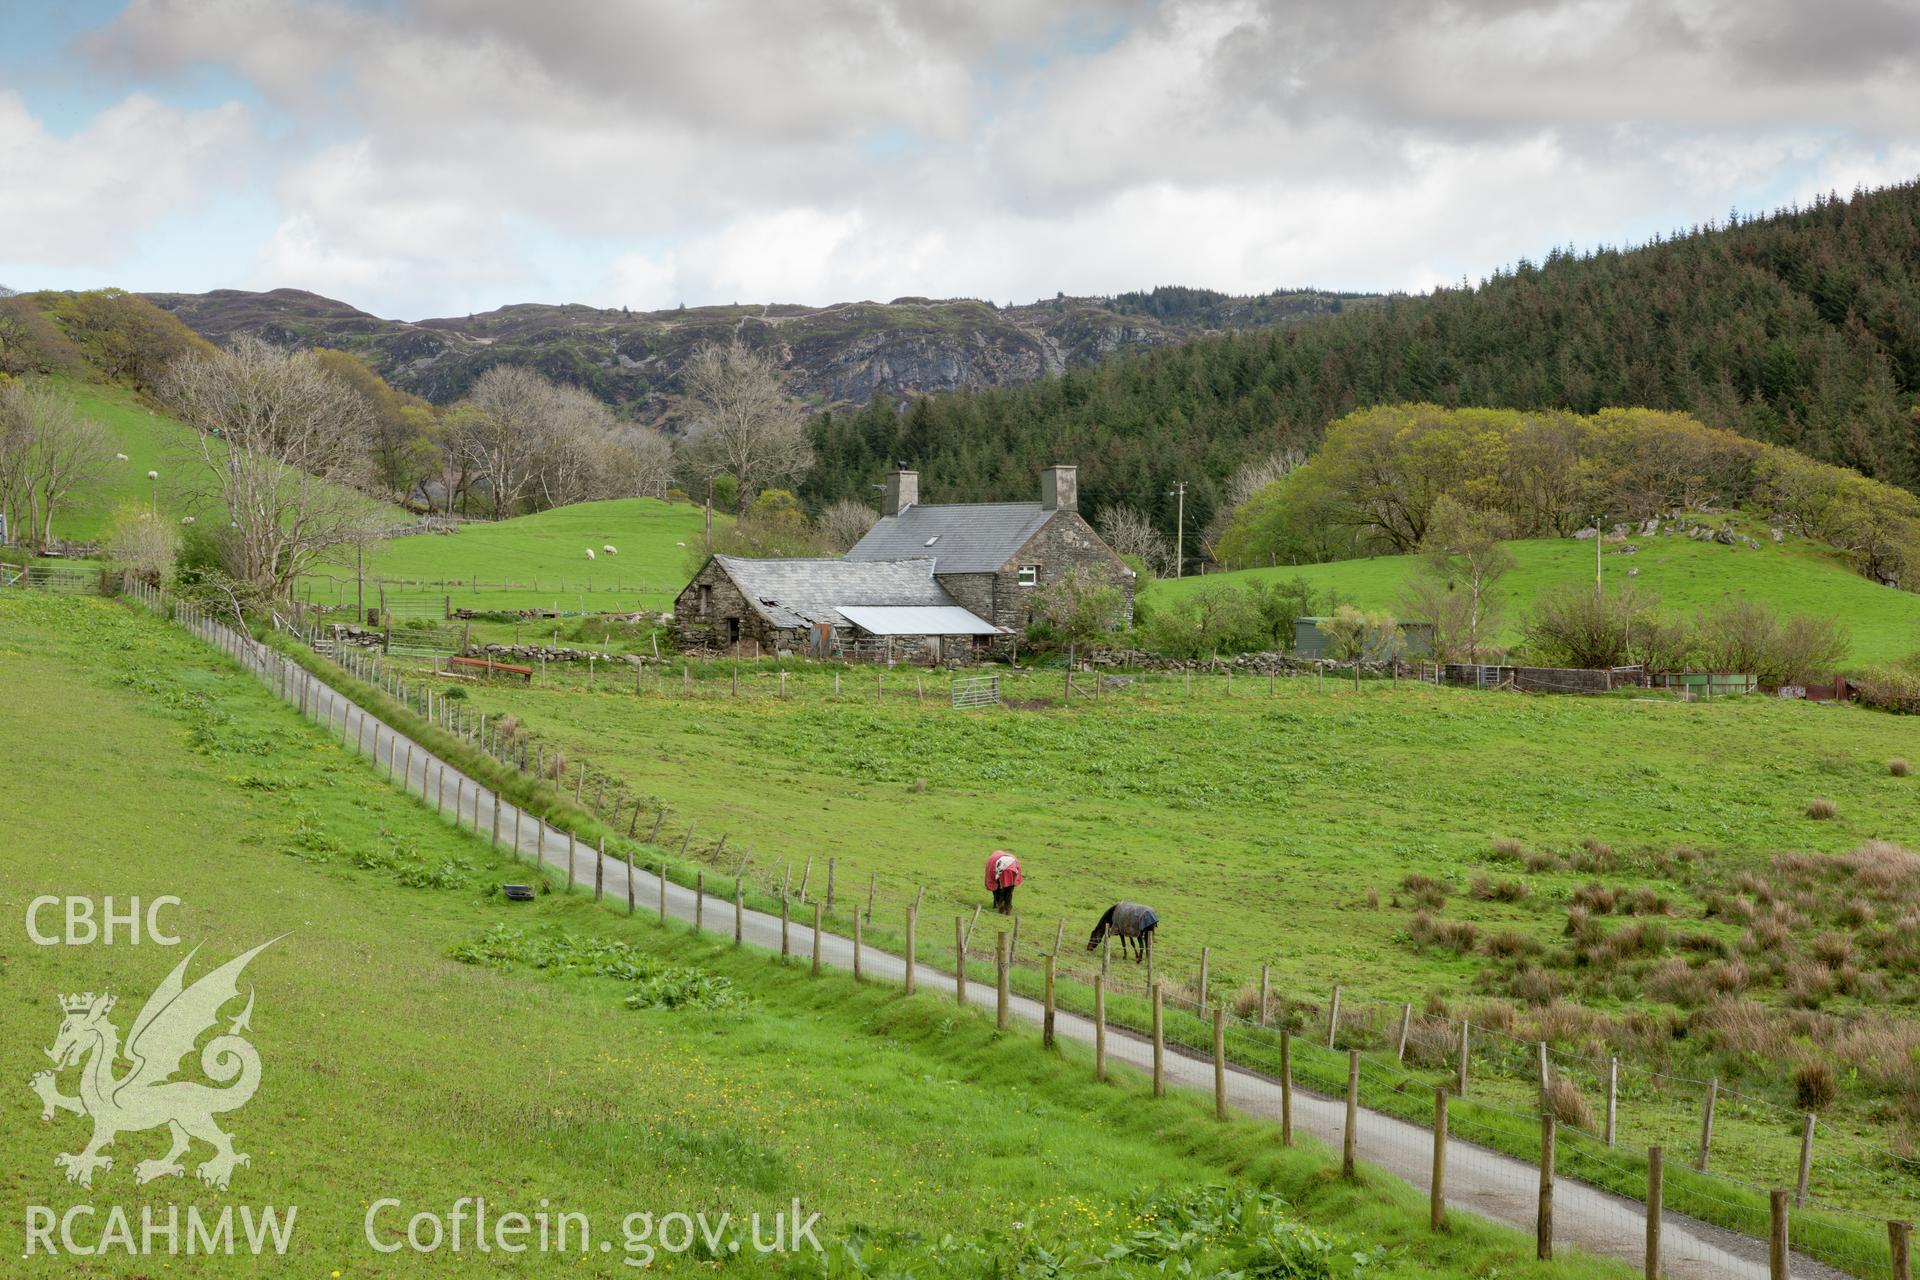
(148, 1096)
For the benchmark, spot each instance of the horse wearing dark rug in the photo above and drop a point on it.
(1129, 922)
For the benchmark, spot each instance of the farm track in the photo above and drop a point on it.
(1480, 1181)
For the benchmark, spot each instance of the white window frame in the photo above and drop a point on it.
(1029, 575)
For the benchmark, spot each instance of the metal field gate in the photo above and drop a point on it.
(976, 691)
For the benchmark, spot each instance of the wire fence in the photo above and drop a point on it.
(1391, 1068)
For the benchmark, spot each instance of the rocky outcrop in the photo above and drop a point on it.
(838, 355)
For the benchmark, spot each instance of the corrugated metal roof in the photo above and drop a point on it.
(917, 620)
(799, 593)
(975, 537)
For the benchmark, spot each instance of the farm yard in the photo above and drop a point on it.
(414, 1030)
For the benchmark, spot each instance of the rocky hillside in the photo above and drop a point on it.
(842, 354)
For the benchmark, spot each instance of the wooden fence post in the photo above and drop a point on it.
(1046, 1018)
(1333, 1016)
(1806, 1160)
(495, 837)
(1406, 1025)
(1219, 1062)
(1437, 1189)
(1460, 1085)
(699, 900)
(1656, 1204)
(1003, 1008)
(1266, 991)
(959, 961)
(856, 947)
(1900, 1249)
(600, 871)
(1286, 1088)
(1159, 1047)
(571, 842)
(1546, 1078)
(1099, 1027)
(1059, 935)
(873, 882)
(632, 888)
(1206, 968)
(1613, 1098)
(786, 945)
(1349, 1138)
(1777, 1234)
(663, 892)
(1543, 1220)
(739, 909)
(816, 939)
(912, 919)
(830, 868)
(1706, 1124)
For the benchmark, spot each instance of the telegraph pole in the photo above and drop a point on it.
(1179, 491)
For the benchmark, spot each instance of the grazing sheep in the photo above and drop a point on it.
(610, 549)
(589, 553)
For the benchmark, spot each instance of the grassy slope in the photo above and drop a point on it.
(548, 548)
(1796, 577)
(152, 441)
(391, 1070)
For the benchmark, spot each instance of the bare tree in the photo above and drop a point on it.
(283, 440)
(1132, 536)
(743, 422)
(571, 460)
(143, 543)
(641, 464)
(845, 523)
(500, 430)
(48, 451)
(1254, 476)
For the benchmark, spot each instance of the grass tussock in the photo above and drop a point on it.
(1898, 766)
(1568, 1106)
(1820, 809)
(1487, 889)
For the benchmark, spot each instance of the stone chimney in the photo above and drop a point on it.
(1060, 489)
(901, 491)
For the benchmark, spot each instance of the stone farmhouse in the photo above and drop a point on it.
(936, 583)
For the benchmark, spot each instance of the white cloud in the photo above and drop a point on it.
(871, 148)
(83, 200)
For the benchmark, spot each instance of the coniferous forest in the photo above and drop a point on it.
(1800, 328)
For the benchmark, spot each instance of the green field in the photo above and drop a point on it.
(1278, 824)
(1796, 576)
(152, 441)
(393, 1070)
(543, 557)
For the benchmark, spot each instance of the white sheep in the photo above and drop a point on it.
(589, 553)
(610, 549)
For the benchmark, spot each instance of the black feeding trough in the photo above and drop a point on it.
(518, 892)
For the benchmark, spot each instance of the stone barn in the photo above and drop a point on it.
(990, 556)
(889, 609)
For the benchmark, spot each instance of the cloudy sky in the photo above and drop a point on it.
(434, 157)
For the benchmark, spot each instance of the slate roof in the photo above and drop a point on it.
(974, 537)
(800, 593)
